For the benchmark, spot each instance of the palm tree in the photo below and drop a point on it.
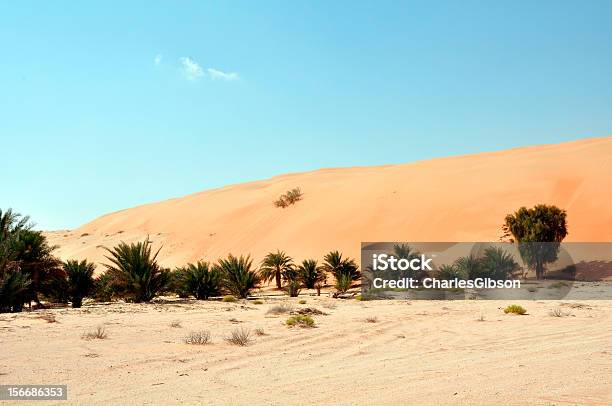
(335, 264)
(275, 265)
(470, 266)
(199, 280)
(450, 272)
(134, 271)
(310, 273)
(80, 280)
(14, 287)
(238, 277)
(498, 264)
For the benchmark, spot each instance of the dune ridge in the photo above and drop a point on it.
(463, 198)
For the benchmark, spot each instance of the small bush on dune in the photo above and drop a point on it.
(289, 198)
(98, 334)
(238, 277)
(228, 299)
(240, 336)
(515, 309)
(201, 337)
(300, 321)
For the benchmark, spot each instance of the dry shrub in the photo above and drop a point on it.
(300, 321)
(201, 337)
(373, 319)
(280, 309)
(240, 336)
(175, 324)
(98, 334)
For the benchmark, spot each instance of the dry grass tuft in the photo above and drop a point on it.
(48, 317)
(98, 334)
(280, 309)
(300, 321)
(373, 319)
(240, 337)
(259, 332)
(558, 312)
(175, 324)
(201, 337)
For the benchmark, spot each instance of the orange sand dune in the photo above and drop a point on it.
(461, 198)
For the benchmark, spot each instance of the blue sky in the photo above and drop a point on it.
(106, 105)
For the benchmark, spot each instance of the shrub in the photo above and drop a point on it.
(238, 277)
(134, 271)
(450, 272)
(557, 312)
(98, 334)
(104, 290)
(310, 273)
(300, 321)
(258, 302)
(240, 336)
(289, 198)
(80, 280)
(372, 319)
(259, 331)
(201, 337)
(293, 288)
(175, 324)
(280, 309)
(302, 302)
(516, 309)
(228, 299)
(343, 284)
(48, 317)
(198, 280)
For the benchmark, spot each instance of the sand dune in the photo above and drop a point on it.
(461, 198)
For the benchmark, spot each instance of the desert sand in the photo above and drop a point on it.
(465, 352)
(461, 198)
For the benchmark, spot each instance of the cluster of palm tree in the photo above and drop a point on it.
(496, 264)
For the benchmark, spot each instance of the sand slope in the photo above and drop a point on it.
(452, 199)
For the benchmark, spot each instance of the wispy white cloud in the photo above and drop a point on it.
(217, 74)
(158, 59)
(191, 69)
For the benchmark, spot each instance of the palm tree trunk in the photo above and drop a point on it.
(278, 280)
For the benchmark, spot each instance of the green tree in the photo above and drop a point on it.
(238, 277)
(199, 280)
(134, 272)
(345, 270)
(80, 281)
(538, 232)
(310, 273)
(275, 265)
(498, 264)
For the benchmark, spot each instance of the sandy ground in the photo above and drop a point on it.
(462, 198)
(420, 352)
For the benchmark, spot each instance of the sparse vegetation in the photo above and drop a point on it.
(134, 271)
(175, 324)
(311, 274)
(280, 309)
(558, 312)
(372, 319)
(300, 321)
(98, 334)
(515, 309)
(228, 299)
(288, 198)
(345, 270)
(257, 302)
(260, 331)
(240, 336)
(48, 317)
(238, 277)
(201, 337)
(302, 301)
